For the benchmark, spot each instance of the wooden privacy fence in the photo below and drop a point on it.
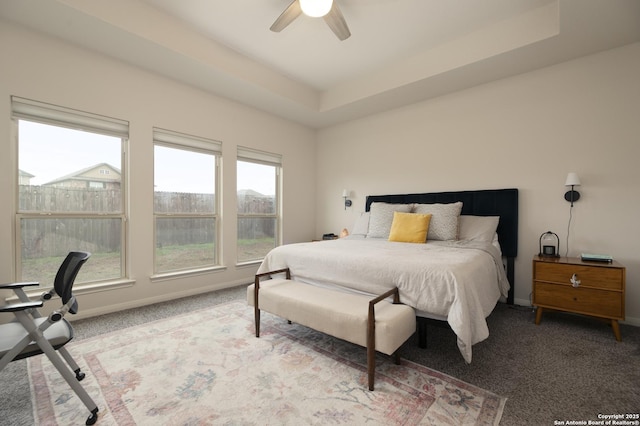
(52, 199)
(44, 237)
(53, 236)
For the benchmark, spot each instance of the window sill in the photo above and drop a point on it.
(191, 272)
(96, 287)
(249, 263)
(79, 289)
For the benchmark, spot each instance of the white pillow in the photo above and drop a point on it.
(444, 220)
(481, 228)
(381, 217)
(361, 227)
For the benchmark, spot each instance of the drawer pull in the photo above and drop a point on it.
(575, 281)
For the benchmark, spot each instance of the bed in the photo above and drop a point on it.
(447, 279)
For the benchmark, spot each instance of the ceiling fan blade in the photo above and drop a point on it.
(287, 17)
(336, 22)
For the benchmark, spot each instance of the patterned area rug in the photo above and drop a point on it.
(207, 367)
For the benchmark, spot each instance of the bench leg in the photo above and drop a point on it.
(256, 304)
(371, 332)
(371, 365)
(257, 318)
(371, 346)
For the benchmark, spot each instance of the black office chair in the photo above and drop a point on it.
(32, 334)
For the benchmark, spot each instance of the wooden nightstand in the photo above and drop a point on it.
(599, 293)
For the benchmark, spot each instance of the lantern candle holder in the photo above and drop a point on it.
(549, 245)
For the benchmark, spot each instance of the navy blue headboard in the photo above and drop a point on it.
(486, 202)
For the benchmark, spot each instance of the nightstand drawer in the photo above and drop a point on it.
(601, 303)
(589, 276)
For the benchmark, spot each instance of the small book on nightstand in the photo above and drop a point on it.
(587, 257)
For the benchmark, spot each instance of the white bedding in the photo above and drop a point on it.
(460, 281)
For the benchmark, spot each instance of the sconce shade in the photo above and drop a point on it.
(316, 8)
(572, 180)
(345, 195)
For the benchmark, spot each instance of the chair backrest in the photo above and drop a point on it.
(63, 283)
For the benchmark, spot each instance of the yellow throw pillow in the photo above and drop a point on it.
(409, 227)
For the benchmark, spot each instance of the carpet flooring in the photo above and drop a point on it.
(568, 368)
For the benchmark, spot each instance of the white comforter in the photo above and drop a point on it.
(459, 281)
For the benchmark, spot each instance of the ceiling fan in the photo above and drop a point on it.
(327, 9)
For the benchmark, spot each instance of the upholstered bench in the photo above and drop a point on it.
(374, 323)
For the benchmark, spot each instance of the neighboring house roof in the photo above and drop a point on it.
(249, 193)
(87, 174)
(25, 174)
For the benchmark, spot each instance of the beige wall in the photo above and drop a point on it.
(525, 132)
(43, 69)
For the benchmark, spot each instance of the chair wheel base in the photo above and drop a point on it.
(93, 418)
(79, 375)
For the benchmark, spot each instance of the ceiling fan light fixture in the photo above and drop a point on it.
(316, 8)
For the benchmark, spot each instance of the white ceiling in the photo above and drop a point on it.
(384, 31)
(400, 51)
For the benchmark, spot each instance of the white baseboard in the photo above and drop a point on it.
(632, 321)
(88, 313)
(522, 302)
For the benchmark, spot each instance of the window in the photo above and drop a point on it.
(258, 189)
(63, 205)
(185, 202)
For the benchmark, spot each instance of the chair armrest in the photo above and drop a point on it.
(19, 285)
(15, 307)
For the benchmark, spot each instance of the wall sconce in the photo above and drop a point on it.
(345, 195)
(572, 180)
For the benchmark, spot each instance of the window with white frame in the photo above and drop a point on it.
(258, 189)
(185, 202)
(63, 202)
